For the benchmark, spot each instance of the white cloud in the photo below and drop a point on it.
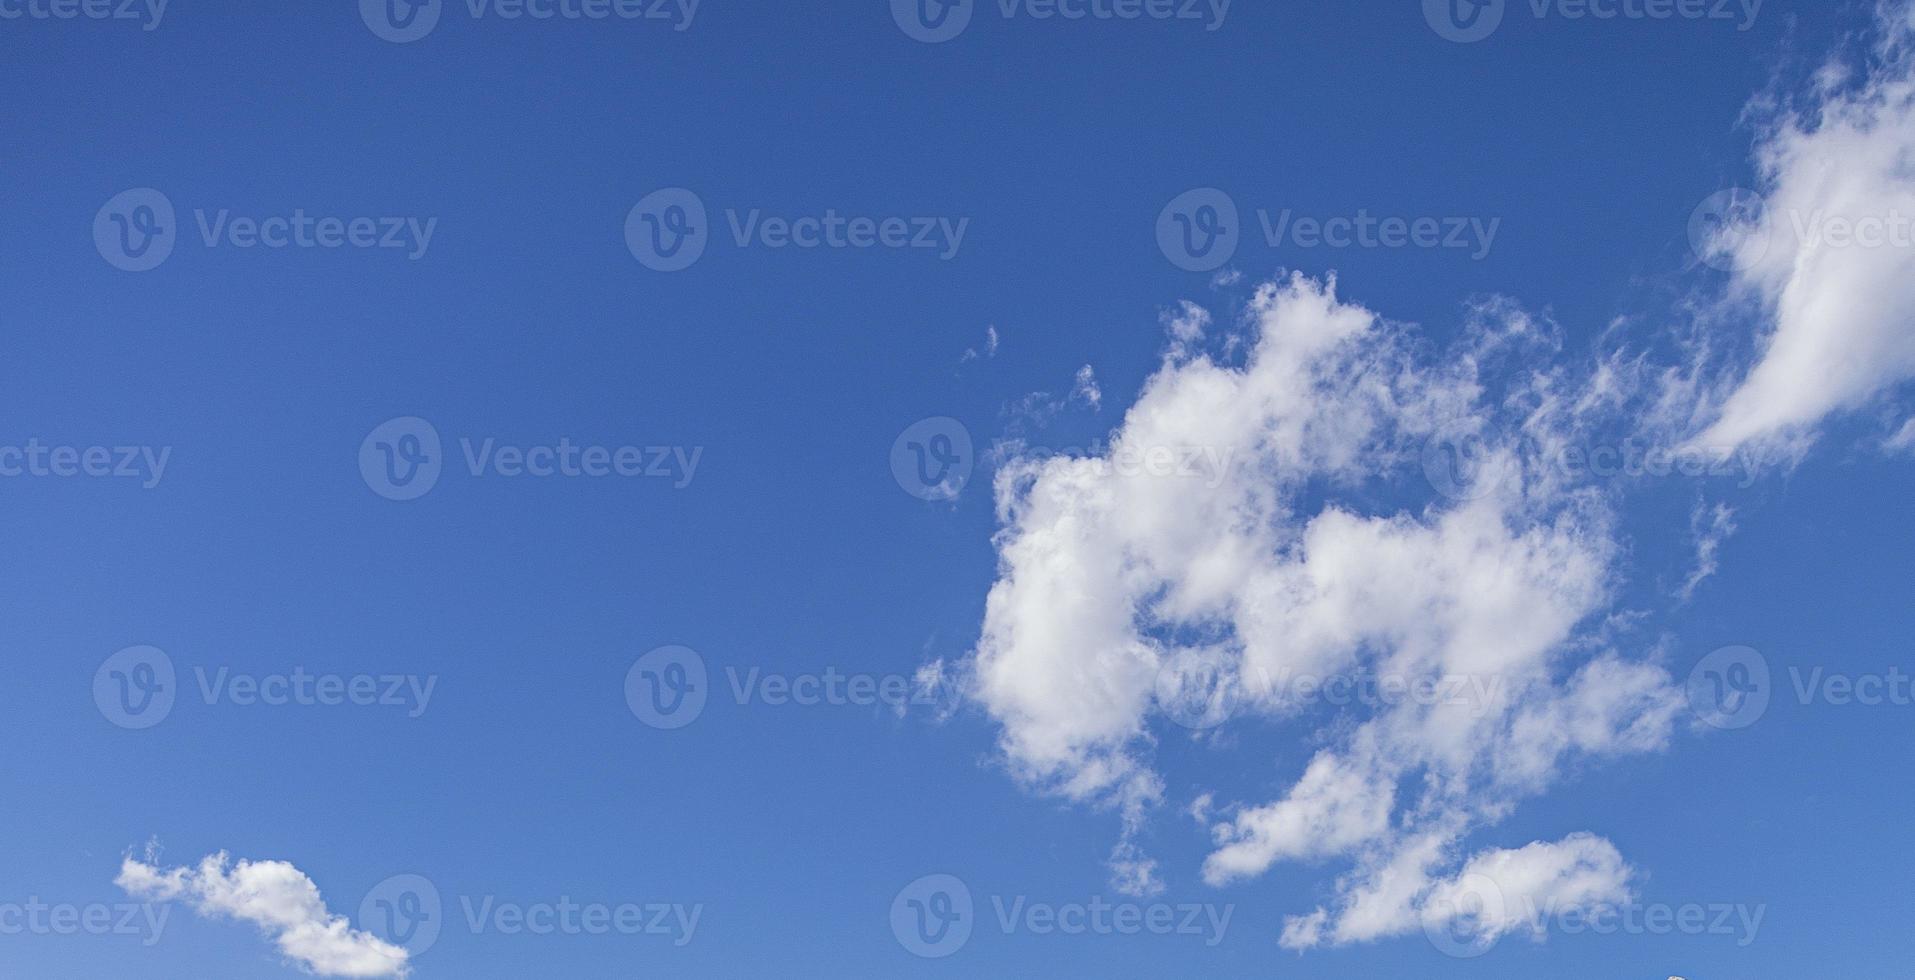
(1500, 891)
(277, 898)
(1108, 574)
(1902, 441)
(990, 347)
(1828, 257)
(1085, 389)
(1711, 526)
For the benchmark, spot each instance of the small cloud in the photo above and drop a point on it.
(990, 347)
(1710, 526)
(277, 898)
(1903, 441)
(1085, 389)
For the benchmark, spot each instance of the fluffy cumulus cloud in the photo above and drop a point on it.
(277, 898)
(1367, 505)
(1827, 253)
(1118, 583)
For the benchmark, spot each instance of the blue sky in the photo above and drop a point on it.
(755, 419)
